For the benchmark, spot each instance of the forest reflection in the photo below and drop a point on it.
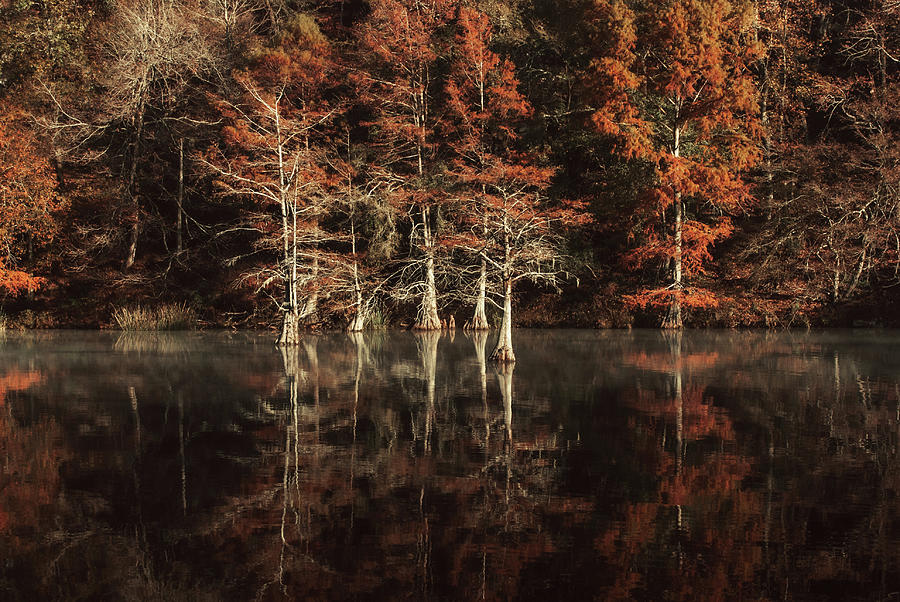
(620, 465)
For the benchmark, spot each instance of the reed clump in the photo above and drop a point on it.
(176, 316)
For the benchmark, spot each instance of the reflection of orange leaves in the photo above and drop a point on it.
(699, 417)
(30, 483)
(663, 361)
(261, 382)
(17, 380)
(705, 484)
(704, 505)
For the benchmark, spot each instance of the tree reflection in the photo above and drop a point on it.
(427, 346)
(31, 454)
(377, 465)
(694, 534)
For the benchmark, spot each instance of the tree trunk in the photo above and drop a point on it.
(428, 313)
(479, 320)
(179, 245)
(131, 253)
(673, 319)
(312, 299)
(290, 325)
(290, 329)
(359, 320)
(503, 352)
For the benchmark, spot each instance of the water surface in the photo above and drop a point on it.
(603, 465)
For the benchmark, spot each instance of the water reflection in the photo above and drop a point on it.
(613, 465)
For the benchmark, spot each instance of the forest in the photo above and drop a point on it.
(311, 164)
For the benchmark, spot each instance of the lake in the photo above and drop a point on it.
(393, 465)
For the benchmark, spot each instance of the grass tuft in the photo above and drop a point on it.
(178, 316)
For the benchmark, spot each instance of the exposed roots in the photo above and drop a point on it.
(504, 355)
(478, 322)
(428, 323)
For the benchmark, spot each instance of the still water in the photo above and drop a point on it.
(393, 465)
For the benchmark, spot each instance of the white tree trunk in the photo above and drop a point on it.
(290, 329)
(479, 320)
(503, 352)
(360, 318)
(428, 313)
(673, 319)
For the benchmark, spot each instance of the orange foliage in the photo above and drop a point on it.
(28, 201)
(674, 89)
(690, 296)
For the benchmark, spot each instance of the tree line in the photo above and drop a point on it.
(328, 162)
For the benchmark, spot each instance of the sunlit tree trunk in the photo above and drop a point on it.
(479, 320)
(428, 313)
(503, 352)
(290, 325)
(358, 322)
(290, 329)
(674, 319)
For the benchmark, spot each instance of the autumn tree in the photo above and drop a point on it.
(674, 88)
(512, 226)
(272, 158)
(29, 203)
(402, 42)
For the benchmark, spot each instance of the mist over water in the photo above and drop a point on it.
(393, 465)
